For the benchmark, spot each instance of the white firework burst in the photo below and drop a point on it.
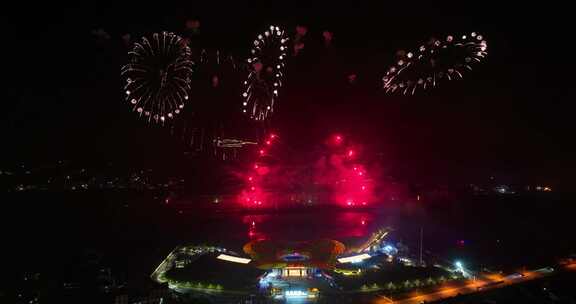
(158, 76)
(265, 78)
(439, 59)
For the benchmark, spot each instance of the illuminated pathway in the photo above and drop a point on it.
(487, 282)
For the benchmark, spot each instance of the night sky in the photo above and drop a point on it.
(511, 117)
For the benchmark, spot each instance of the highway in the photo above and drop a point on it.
(486, 282)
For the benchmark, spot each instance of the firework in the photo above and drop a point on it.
(437, 60)
(267, 60)
(343, 172)
(158, 76)
(255, 194)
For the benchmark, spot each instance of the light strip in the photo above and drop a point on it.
(234, 259)
(295, 294)
(355, 258)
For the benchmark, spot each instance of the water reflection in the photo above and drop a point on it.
(306, 226)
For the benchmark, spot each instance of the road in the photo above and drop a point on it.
(486, 282)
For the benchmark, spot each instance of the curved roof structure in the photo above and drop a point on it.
(267, 254)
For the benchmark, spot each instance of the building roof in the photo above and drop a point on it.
(267, 254)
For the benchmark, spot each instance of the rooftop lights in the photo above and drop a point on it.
(354, 258)
(233, 259)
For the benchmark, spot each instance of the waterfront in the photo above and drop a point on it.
(136, 231)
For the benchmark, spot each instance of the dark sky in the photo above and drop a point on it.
(512, 116)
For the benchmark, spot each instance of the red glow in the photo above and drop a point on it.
(341, 171)
(345, 173)
(363, 222)
(252, 221)
(255, 192)
(338, 139)
(262, 170)
(252, 196)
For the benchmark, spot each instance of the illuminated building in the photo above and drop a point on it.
(295, 260)
(274, 269)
